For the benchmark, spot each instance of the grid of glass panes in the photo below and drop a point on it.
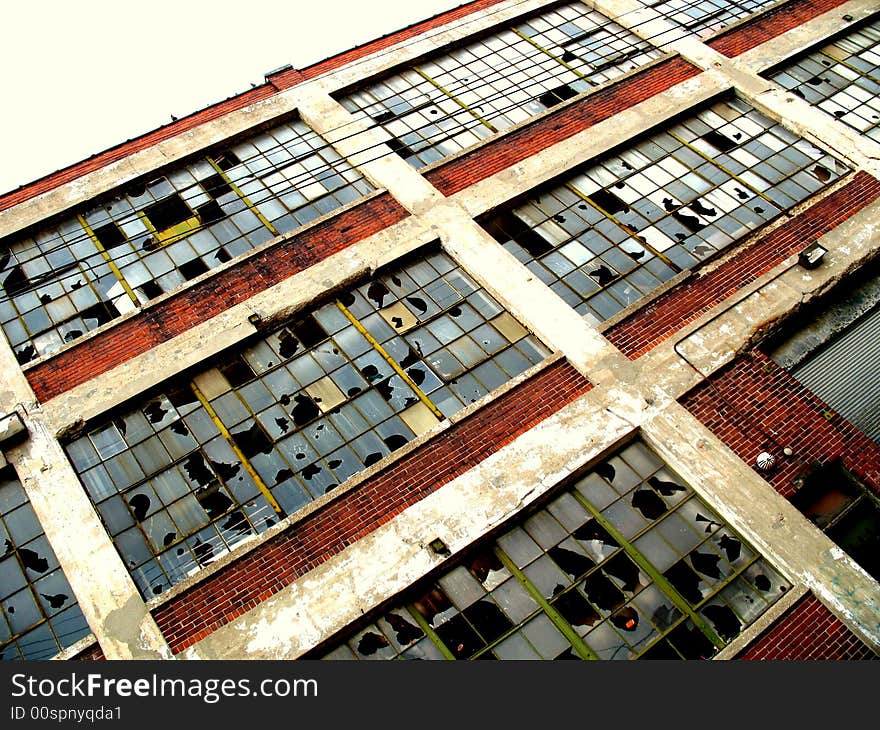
(705, 17)
(39, 615)
(560, 586)
(163, 232)
(452, 101)
(619, 228)
(306, 407)
(843, 79)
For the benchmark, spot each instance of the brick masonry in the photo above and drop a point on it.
(214, 295)
(669, 313)
(753, 405)
(768, 25)
(91, 653)
(276, 83)
(512, 148)
(807, 631)
(245, 583)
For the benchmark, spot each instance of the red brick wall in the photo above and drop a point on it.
(531, 139)
(666, 315)
(92, 653)
(752, 396)
(245, 583)
(769, 25)
(216, 294)
(808, 631)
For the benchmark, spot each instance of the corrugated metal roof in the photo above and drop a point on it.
(846, 374)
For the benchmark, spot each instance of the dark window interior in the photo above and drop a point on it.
(168, 212)
(844, 509)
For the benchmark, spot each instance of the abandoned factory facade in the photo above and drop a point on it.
(533, 330)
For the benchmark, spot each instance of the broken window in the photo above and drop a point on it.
(210, 462)
(155, 235)
(705, 17)
(618, 228)
(39, 615)
(841, 78)
(168, 213)
(627, 563)
(455, 99)
(845, 510)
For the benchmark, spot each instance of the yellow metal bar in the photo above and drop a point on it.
(723, 169)
(555, 58)
(454, 98)
(212, 414)
(172, 234)
(110, 264)
(394, 365)
(635, 234)
(244, 198)
(181, 230)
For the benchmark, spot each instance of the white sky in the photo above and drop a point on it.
(79, 76)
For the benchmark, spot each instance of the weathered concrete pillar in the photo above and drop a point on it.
(97, 575)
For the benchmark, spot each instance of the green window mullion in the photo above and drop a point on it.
(570, 634)
(558, 60)
(678, 600)
(244, 198)
(454, 98)
(723, 169)
(430, 633)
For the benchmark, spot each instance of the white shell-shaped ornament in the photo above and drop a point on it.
(765, 461)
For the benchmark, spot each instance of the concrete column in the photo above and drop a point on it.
(767, 520)
(742, 73)
(108, 597)
(364, 144)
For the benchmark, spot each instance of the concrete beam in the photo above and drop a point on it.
(395, 555)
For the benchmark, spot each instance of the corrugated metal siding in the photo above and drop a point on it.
(846, 374)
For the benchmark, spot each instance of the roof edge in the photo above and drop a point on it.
(276, 82)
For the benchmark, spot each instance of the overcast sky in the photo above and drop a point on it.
(82, 75)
